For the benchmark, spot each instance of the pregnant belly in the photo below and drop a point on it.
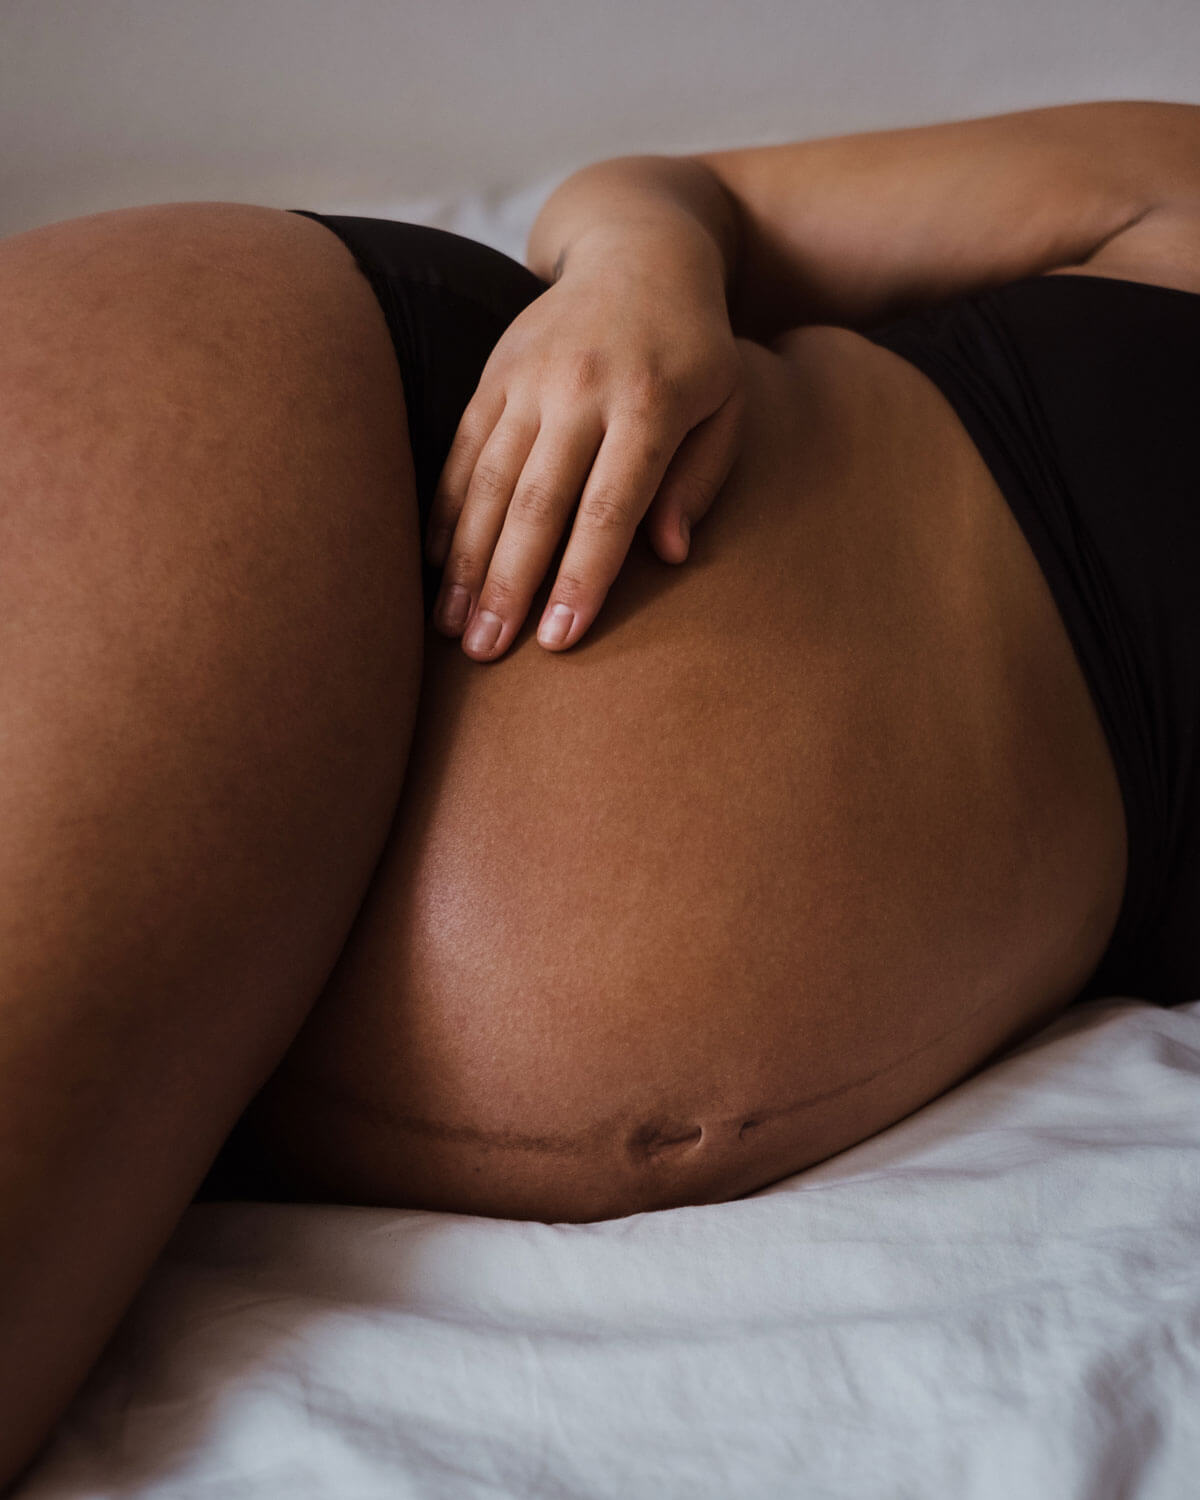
(803, 833)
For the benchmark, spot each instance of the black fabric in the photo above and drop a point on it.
(447, 299)
(1082, 394)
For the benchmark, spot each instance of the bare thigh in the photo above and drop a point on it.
(804, 832)
(210, 627)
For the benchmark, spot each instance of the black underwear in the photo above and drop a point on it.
(447, 299)
(1082, 394)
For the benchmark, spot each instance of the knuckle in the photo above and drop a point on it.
(648, 447)
(473, 425)
(651, 391)
(605, 511)
(500, 595)
(654, 453)
(652, 383)
(570, 588)
(588, 369)
(536, 502)
(463, 568)
(488, 481)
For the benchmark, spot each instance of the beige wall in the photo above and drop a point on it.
(361, 104)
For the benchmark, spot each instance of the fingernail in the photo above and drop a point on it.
(456, 608)
(555, 628)
(438, 545)
(484, 633)
(685, 530)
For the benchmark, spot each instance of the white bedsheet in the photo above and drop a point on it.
(998, 1297)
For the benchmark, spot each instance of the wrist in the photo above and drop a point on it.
(671, 251)
(657, 215)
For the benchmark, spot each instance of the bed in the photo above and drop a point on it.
(998, 1296)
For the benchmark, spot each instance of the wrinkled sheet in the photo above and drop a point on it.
(997, 1297)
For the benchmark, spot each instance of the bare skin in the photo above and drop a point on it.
(807, 832)
(210, 633)
(802, 834)
(794, 841)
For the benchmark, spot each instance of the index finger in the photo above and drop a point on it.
(624, 480)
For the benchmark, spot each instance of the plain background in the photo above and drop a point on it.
(358, 106)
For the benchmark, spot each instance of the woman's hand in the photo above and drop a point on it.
(614, 396)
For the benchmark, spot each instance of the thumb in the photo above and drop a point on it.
(699, 468)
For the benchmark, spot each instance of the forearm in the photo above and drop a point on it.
(852, 229)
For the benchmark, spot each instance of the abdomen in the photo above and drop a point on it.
(805, 831)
